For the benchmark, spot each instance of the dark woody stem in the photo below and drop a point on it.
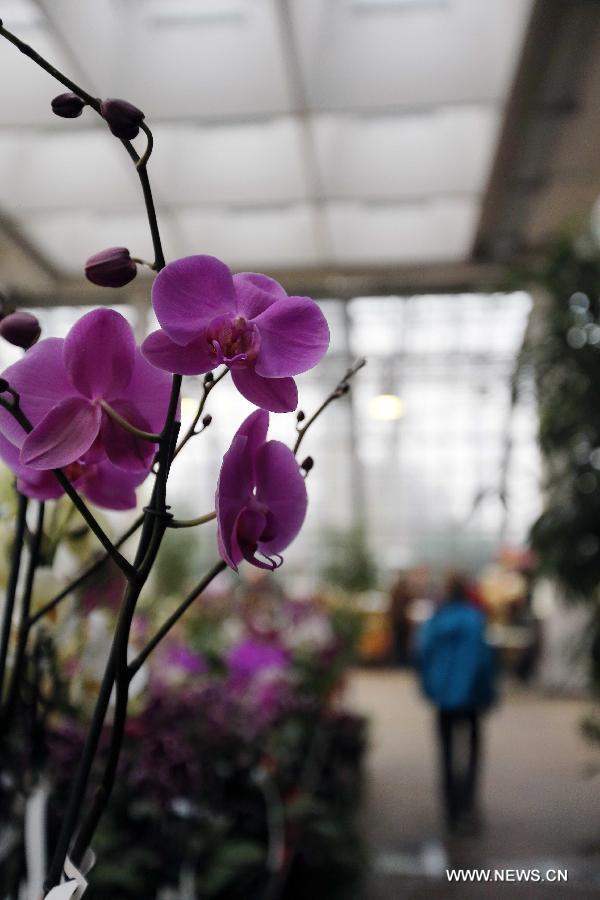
(340, 390)
(23, 633)
(11, 590)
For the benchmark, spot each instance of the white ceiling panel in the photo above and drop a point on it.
(300, 133)
(434, 231)
(441, 151)
(235, 164)
(265, 238)
(378, 55)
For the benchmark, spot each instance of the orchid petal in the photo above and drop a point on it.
(294, 336)
(63, 435)
(249, 525)
(125, 450)
(99, 354)
(34, 484)
(190, 292)
(234, 492)
(112, 488)
(255, 293)
(192, 359)
(149, 391)
(281, 488)
(254, 428)
(41, 381)
(274, 394)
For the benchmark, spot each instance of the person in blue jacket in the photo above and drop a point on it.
(457, 672)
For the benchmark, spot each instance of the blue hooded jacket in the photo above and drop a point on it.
(456, 666)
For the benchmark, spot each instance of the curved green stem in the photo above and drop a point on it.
(132, 429)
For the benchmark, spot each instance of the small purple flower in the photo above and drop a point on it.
(102, 483)
(123, 118)
(209, 317)
(68, 105)
(63, 385)
(181, 657)
(20, 328)
(112, 267)
(261, 496)
(250, 658)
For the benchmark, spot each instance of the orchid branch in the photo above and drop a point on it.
(23, 633)
(11, 591)
(340, 390)
(208, 384)
(17, 413)
(140, 659)
(191, 523)
(84, 575)
(132, 429)
(140, 162)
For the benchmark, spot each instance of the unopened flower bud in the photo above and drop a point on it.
(112, 267)
(209, 378)
(68, 106)
(123, 118)
(307, 464)
(207, 420)
(300, 416)
(21, 329)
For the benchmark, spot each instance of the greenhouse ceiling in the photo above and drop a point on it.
(343, 145)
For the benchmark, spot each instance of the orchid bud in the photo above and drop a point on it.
(308, 464)
(112, 267)
(207, 420)
(123, 118)
(21, 329)
(209, 378)
(68, 106)
(300, 416)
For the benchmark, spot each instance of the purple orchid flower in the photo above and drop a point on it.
(261, 497)
(210, 317)
(251, 657)
(102, 483)
(64, 386)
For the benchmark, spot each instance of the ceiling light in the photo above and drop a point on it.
(386, 407)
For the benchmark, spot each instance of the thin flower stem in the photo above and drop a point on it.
(341, 388)
(140, 659)
(191, 523)
(136, 432)
(207, 387)
(23, 633)
(143, 160)
(83, 576)
(94, 102)
(11, 590)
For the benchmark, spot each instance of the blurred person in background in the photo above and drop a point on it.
(457, 673)
(401, 597)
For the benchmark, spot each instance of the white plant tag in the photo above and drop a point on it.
(63, 891)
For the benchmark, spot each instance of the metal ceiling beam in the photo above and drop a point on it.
(560, 47)
(338, 283)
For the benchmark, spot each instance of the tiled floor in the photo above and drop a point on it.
(541, 802)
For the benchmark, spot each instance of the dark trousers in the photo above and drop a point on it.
(460, 753)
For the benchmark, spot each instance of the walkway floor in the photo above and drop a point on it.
(541, 800)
